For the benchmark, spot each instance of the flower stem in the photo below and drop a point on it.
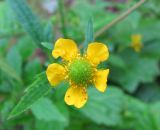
(62, 17)
(118, 19)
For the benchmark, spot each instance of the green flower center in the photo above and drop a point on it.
(80, 72)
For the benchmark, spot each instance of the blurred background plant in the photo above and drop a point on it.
(28, 30)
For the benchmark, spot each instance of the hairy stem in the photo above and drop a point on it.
(118, 19)
(62, 17)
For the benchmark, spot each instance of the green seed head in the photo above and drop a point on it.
(80, 71)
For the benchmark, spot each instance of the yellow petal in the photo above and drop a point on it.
(136, 38)
(137, 48)
(55, 73)
(97, 52)
(82, 97)
(76, 96)
(101, 80)
(70, 96)
(65, 48)
(136, 42)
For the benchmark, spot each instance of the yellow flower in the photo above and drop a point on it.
(79, 70)
(136, 42)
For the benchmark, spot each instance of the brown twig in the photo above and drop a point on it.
(118, 19)
(16, 35)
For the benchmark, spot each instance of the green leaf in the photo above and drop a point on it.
(155, 111)
(48, 32)
(104, 108)
(89, 37)
(49, 125)
(9, 70)
(47, 45)
(116, 61)
(3, 46)
(138, 113)
(17, 62)
(8, 24)
(149, 92)
(62, 17)
(6, 108)
(147, 24)
(107, 18)
(31, 69)
(25, 47)
(51, 112)
(151, 50)
(35, 91)
(28, 20)
(138, 69)
(5, 86)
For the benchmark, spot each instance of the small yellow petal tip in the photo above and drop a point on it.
(136, 42)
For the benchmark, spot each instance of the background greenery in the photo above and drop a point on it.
(28, 30)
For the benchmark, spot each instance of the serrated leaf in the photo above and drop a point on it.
(153, 29)
(51, 112)
(138, 69)
(48, 32)
(138, 113)
(151, 50)
(89, 34)
(104, 108)
(35, 91)
(28, 20)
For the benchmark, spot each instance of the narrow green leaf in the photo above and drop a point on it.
(35, 91)
(28, 20)
(48, 33)
(62, 17)
(47, 45)
(89, 35)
